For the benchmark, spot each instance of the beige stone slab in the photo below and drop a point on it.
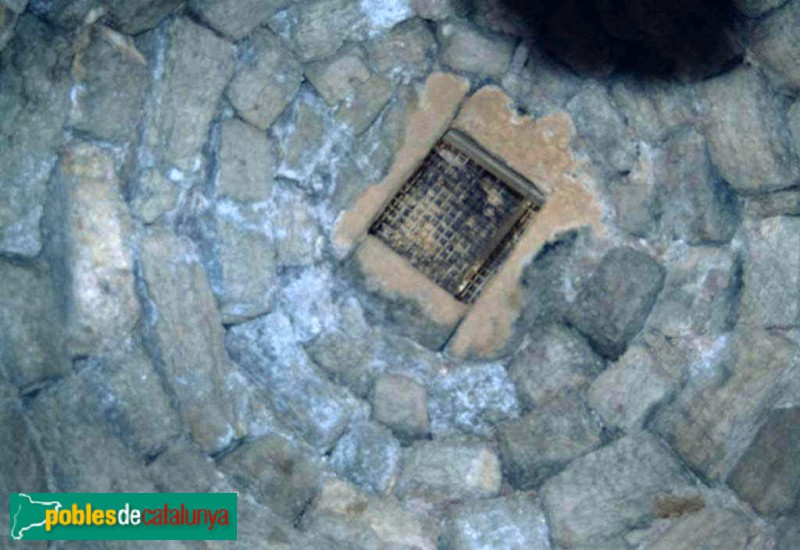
(539, 150)
(426, 121)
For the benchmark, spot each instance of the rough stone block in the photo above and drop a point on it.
(81, 452)
(775, 43)
(515, 523)
(768, 475)
(771, 296)
(32, 349)
(697, 206)
(613, 304)
(154, 196)
(96, 263)
(190, 339)
(401, 404)
(450, 469)
(246, 163)
(267, 82)
(295, 228)
(600, 496)
(304, 399)
(625, 394)
(136, 16)
(602, 130)
(237, 18)
(125, 388)
(115, 78)
(467, 49)
(336, 77)
(471, 399)
(746, 133)
(712, 529)
(246, 256)
(355, 520)
(34, 101)
(655, 108)
(405, 52)
(368, 100)
(276, 472)
(197, 67)
(700, 294)
(367, 455)
(541, 443)
(712, 425)
(555, 363)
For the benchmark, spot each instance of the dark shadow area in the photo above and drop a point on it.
(689, 39)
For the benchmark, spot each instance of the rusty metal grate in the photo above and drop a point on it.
(459, 216)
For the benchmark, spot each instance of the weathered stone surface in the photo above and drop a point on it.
(318, 28)
(612, 305)
(711, 529)
(267, 82)
(654, 108)
(635, 196)
(405, 52)
(600, 496)
(602, 130)
(768, 475)
(437, 10)
(368, 100)
(277, 472)
(625, 394)
(541, 443)
(555, 363)
(515, 523)
(34, 101)
(68, 14)
(21, 462)
(96, 263)
(697, 206)
(246, 163)
(10, 10)
(114, 77)
(347, 353)
(303, 398)
(136, 16)
(32, 349)
(465, 48)
(700, 294)
(471, 399)
(401, 404)
(81, 452)
(790, 534)
(336, 77)
(781, 203)
(295, 229)
(184, 468)
(449, 469)
(794, 125)
(771, 296)
(712, 425)
(746, 133)
(154, 196)
(367, 455)
(355, 520)
(775, 44)
(754, 8)
(237, 18)
(197, 67)
(246, 256)
(188, 333)
(125, 389)
(543, 85)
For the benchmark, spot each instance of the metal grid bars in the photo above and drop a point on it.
(455, 220)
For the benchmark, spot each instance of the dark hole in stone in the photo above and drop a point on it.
(459, 216)
(665, 38)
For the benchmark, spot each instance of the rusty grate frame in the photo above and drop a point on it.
(459, 216)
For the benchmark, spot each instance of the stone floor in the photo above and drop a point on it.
(178, 311)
